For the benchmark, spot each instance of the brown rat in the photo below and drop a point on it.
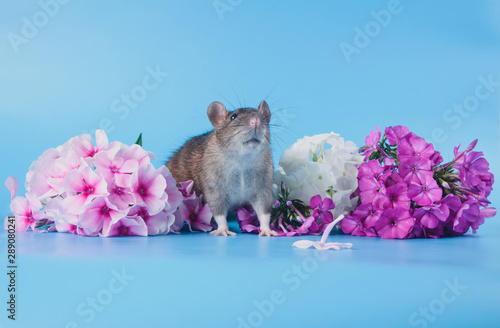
(232, 165)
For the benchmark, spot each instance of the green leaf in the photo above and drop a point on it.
(139, 140)
(330, 191)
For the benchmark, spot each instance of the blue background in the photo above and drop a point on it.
(71, 73)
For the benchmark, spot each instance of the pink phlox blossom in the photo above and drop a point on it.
(82, 186)
(98, 213)
(127, 226)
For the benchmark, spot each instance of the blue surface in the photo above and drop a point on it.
(72, 73)
(197, 280)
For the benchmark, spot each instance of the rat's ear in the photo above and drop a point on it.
(216, 113)
(264, 110)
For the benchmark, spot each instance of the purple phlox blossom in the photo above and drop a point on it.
(472, 168)
(372, 191)
(470, 215)
(394, 223)
(303, 229)
(322, 209)
(395, 133)
(354, 225)
(397, 197)
(459, 154)
(433, 215)
(415, 168)
(417, 231)
(197, 215)
(388, 161)
(186, 189)
(391, 178)
(372, 169)
(368, 213)
(425, 191)
(371, 142)
(247, 219)
(414, 147)
(436, 158)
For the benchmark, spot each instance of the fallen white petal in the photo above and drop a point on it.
(318, 245)
(303, 243)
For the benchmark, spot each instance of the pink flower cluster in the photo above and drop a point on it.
(110, 189)
(314, 224)
(405, 191)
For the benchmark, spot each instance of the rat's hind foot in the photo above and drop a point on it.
(222, 228)
(267, 232)
(222, 232)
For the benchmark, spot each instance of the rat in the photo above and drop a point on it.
(231, 166)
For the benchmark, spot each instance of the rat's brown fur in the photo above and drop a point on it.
(228, 167)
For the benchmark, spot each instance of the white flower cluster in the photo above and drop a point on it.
(323, 164)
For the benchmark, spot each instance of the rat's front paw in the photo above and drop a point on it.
(267, 232)
(223, 232)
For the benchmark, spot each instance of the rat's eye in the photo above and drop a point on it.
(234, 116)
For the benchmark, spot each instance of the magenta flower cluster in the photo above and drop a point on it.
(110, 189)
(405, 191)
(315, 224)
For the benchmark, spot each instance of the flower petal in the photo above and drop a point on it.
(73, 182)
(20, 206)
(129, 166)
(303, 243)
(101, 140)
(336, 246)
(316, 201)
(12, 184)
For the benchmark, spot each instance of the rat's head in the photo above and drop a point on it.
(241, 130)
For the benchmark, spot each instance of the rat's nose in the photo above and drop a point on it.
(254, 121)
